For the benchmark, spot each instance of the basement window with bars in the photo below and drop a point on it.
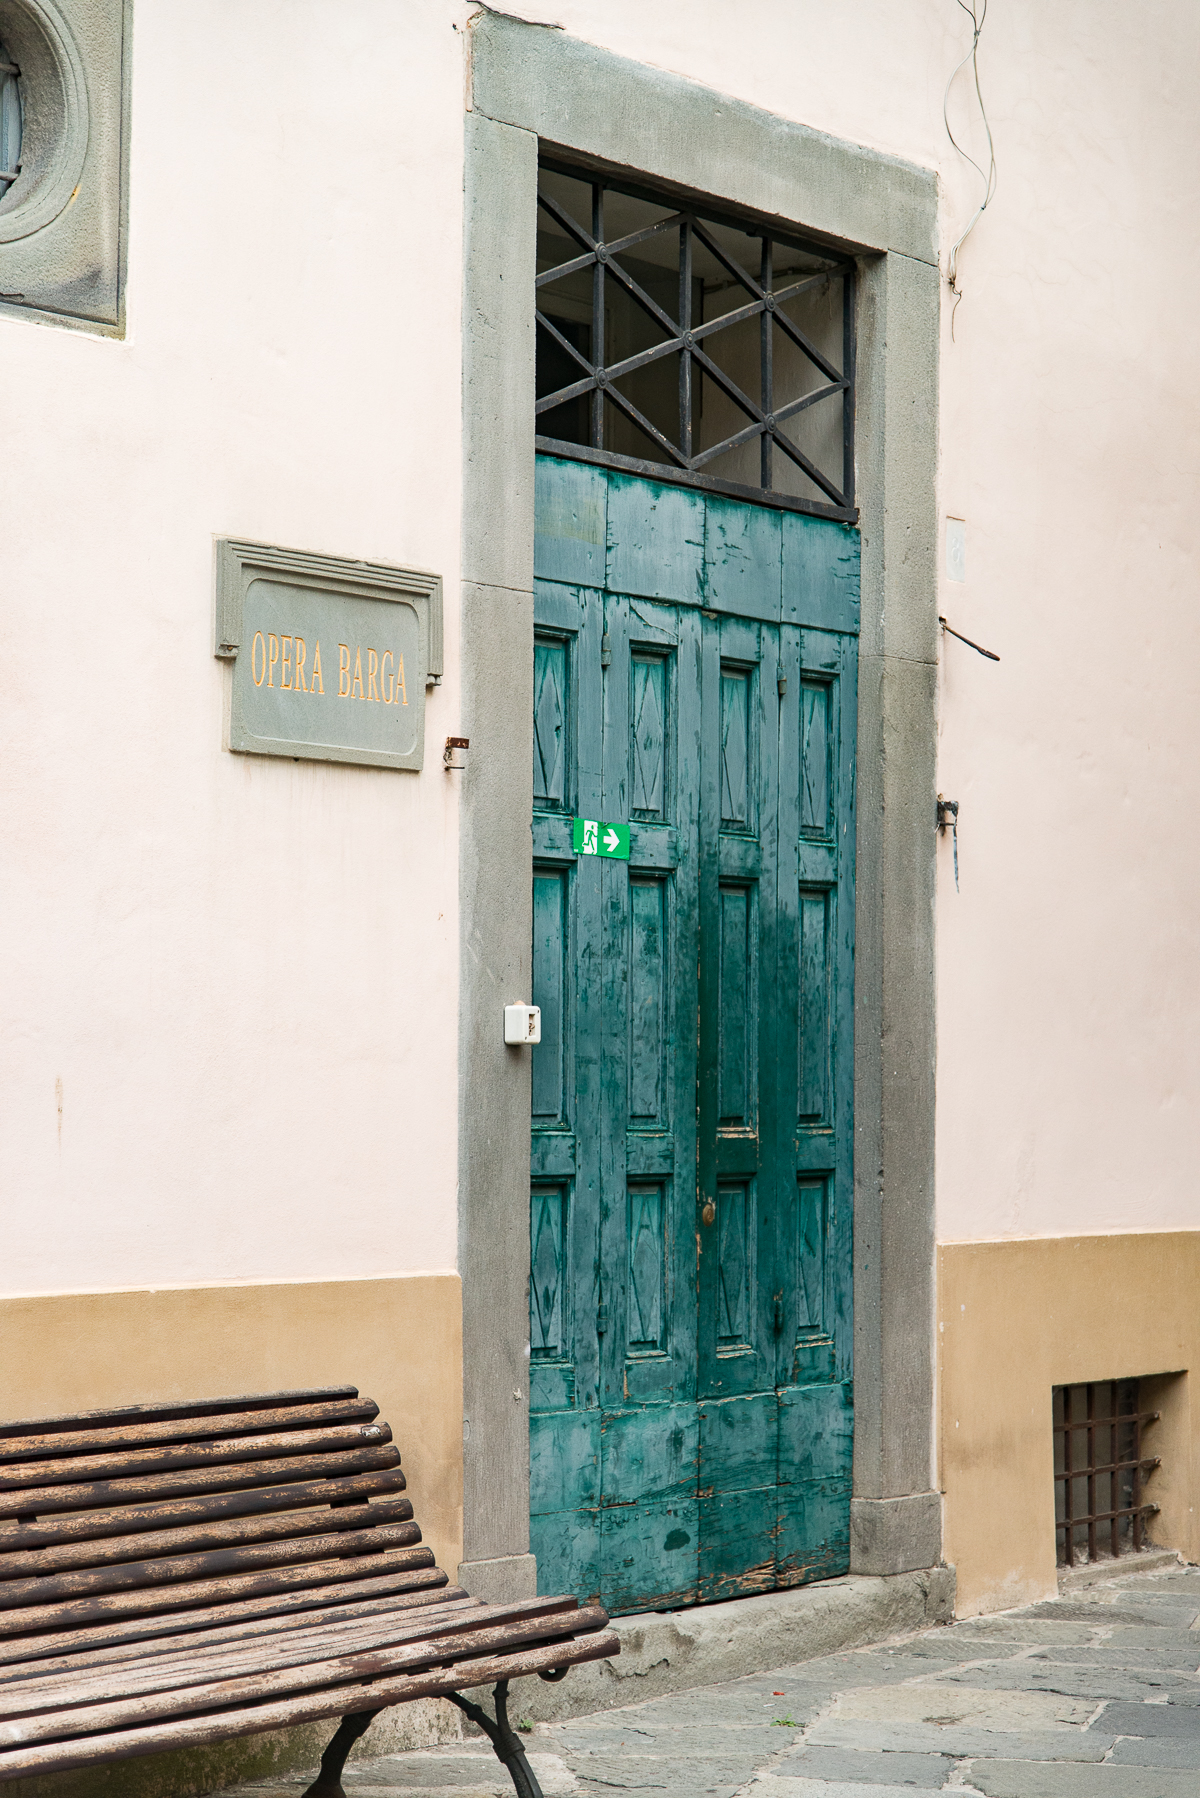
(682, 342)
(1099, 1471)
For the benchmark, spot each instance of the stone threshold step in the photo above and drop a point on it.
(672, 1651)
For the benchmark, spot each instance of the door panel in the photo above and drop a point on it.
(649, 903)
(692, 1132)
(551, 909)
(737, 961)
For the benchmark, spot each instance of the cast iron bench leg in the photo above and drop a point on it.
(504, 1739)
(508, 1745)
(328, 1783)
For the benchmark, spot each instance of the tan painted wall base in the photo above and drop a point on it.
(399, 1340)
(1017, 1319)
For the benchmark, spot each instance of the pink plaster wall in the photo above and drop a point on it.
(1069, 963)
(229, 984)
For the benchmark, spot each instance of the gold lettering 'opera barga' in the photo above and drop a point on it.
(288, 655)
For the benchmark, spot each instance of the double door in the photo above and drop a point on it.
(690, 1218)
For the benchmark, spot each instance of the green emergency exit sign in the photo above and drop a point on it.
(592, 836)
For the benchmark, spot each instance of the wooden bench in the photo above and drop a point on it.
(174, 1575)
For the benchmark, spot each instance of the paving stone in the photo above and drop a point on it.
(1023, 1630)
(1052, 1610)
(884, 1666)
(686, 1712)
(498, 1785)
(725, 1738)
(1096, 1683)
(1167, 1613)
(948, 1703)
(888, 1670)
(747, 1753)
(953, 1647)
(883, 1768)
(770, 1785)
(1182, 1582)
(964, 1743)
(1150, 1720)
(745, 1698)
(1047, 1779)
(454, 1771)
(1150, 1635)
(1184, 1658)
(674, 1774)
(1157, 1751)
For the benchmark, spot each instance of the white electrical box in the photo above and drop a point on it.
(523, 1024)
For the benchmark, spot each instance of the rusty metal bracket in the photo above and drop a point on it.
(947, 819)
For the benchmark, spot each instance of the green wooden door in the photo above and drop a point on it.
(695, 676)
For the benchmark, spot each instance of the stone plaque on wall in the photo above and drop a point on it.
(331, 658)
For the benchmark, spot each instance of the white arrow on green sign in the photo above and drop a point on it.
(592, 836)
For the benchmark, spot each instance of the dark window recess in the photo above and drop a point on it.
(693, 346)
(1099, 1471)
(10, 121)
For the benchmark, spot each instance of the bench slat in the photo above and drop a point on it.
(261, 1634)
(139, 1435)
(162, 1572)
(181, 1573)
(157, 1673)
(228, 1533)
(153, 1600)
(207, 1407)
(417, 1585)
(234, 1475)
(187, 1732)
(347, 1669)
(335, 1438)
(96, 1526)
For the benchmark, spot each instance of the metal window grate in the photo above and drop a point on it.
(692, 345)
(1099, 1470)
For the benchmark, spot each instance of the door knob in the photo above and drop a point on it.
(709, 1212)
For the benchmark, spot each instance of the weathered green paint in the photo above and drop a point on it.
(691, 1225)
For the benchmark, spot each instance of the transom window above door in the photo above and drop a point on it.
(688, 344)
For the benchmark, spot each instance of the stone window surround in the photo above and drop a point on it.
(63, 225)
(531, 83)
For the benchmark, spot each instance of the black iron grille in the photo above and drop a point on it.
(1099, 1469)
(693, 346)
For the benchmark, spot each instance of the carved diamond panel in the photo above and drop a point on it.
(814, 758)
(735, 748)
(547, 1244)
(549, 723)
(733, 1222)
(647, 1261)
(810, 1254)
(649, 734)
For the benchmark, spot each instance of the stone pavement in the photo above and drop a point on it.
(1087, 1695)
